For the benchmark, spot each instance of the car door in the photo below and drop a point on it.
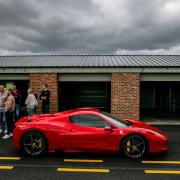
(87, 134)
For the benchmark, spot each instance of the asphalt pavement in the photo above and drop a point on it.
(72, 166)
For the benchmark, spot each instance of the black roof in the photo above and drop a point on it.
(90, 61)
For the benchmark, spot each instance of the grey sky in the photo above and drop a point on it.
(89, 26)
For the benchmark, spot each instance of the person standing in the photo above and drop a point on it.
(9, 109)
(35, 108)
(3, 97)
(45, 97)
(17, 97)
(31, 102)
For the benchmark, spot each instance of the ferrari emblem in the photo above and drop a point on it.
(121, 132)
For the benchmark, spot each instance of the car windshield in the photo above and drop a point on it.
(114, 120)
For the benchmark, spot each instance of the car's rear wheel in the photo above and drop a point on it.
(34, 144)
(134, 146)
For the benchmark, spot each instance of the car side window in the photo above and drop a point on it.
(89, 120)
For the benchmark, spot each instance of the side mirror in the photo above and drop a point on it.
(108, 129)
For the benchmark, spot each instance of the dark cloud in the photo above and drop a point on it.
(85, 26)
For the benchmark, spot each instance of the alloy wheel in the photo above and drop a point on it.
(134, 146)
(33, 144)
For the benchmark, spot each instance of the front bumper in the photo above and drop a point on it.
(159, 145)
(16, 137)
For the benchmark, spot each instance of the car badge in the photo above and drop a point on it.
(121, 132)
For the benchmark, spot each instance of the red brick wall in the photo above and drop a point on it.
(125, 95)
(51, 79)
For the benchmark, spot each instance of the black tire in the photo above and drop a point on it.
(34, 143)
(134, 146)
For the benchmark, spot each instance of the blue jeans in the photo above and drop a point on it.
(16, 112)
(30, 111)
(2, 119)
(45, 109)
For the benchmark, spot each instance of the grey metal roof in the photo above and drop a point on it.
(90, 61)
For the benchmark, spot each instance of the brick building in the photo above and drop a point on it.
(126, 85)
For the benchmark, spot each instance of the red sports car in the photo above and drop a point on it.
(87, 130)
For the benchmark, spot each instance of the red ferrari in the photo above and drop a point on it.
(87, 130)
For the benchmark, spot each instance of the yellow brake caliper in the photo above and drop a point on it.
(40, 144)
(128, 144)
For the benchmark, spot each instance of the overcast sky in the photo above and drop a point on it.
(89, 26)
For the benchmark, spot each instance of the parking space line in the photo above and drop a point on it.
(162, 171)
(83, 160)
(160, 162)
(6, 167)
(83, 170)
(10, 158)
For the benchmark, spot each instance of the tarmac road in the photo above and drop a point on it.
(72, 166)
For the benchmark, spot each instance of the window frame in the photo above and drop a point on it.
(95, 115)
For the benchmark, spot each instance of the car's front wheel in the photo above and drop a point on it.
(134, 146)
(34, 143)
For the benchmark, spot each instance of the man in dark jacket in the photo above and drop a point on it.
(45, 97)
